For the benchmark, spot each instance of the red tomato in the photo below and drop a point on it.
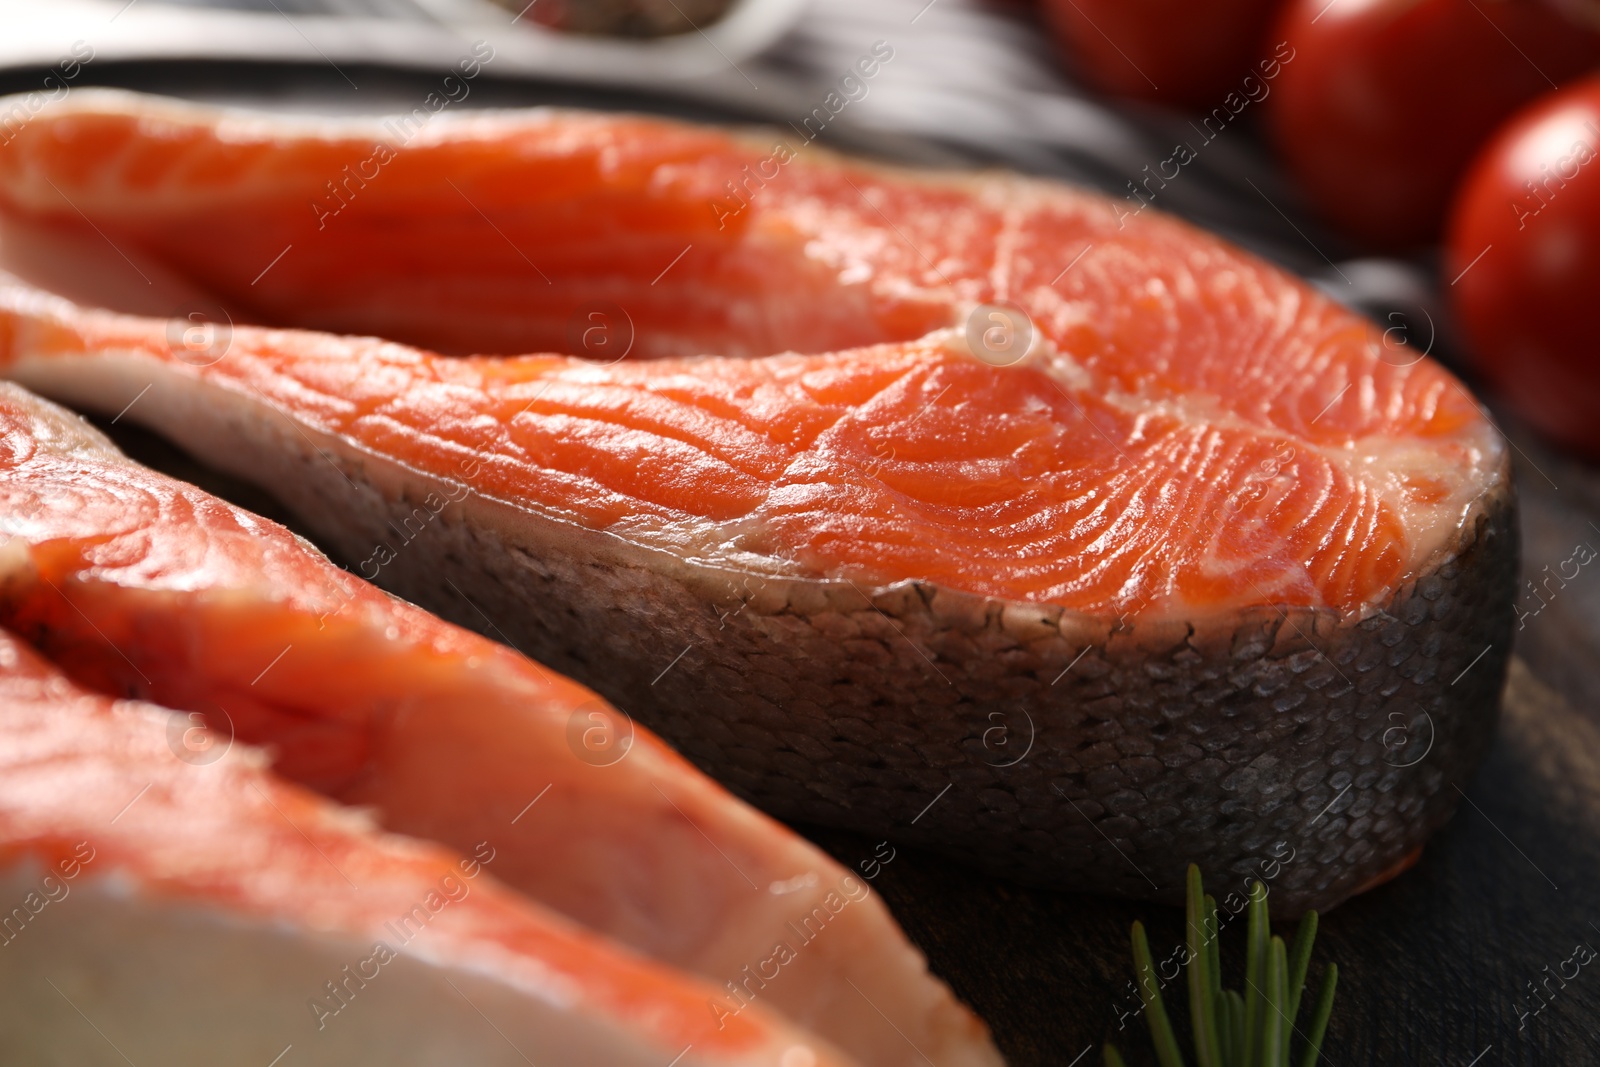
(1387, 100)
(1182, 53)
(1522, 264)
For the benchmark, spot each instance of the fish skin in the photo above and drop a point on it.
(135, 584)
(778, 726)
(794, 631)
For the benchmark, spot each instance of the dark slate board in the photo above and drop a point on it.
(1433, 966)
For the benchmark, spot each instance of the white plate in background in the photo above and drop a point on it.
(425, 33)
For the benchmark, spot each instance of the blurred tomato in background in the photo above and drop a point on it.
(1522, 264)
(1387, 100)
(1377, 111)
(1181, 53)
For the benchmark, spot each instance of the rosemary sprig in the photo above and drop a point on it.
(1252, 1029)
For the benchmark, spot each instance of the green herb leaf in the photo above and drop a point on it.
(1237, 1041)
(1275, 1035)
(1213, 936)
(1252, 1029)
(1319, 1021)
(1202, 1008)
(1155, 1012)
(1300, 960)
(1255, 973)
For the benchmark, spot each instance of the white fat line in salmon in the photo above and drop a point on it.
(53, 888)
(342, 989)
(411, 527)
(1229, 908)
(26, 106)
(1257, 483)
(744, 601)
(851, 87)
(1251, 90)
(404, 128)
(744, 987)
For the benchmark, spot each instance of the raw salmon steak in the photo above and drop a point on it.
(964, 508)
(211, 743)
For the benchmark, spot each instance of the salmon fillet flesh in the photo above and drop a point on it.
(963, 508)
(368, 834)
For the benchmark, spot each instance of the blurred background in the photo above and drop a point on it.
(1424, 161)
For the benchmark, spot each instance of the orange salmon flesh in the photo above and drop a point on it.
(1189, 431)
(620, 887)
(828, 472)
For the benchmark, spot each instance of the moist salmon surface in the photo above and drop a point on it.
(808, 388)
(239, 839)
(647, 887)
